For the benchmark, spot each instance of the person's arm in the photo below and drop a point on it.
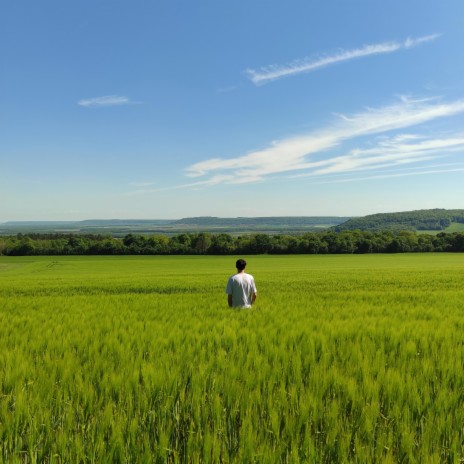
(229, 292)
(254, 293)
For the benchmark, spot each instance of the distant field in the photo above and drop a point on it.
(453, 227)
(121, 228)
(137, 359)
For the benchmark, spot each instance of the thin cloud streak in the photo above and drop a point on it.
(390, 175)
(294, 154)
(108, 100)
(270, 73)
(215, 180)
(390, 153)
(141, 184)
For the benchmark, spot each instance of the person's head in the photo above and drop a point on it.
(240, 265)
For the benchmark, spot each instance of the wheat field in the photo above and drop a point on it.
(139, 360)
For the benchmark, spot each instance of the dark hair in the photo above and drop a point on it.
(240, 264)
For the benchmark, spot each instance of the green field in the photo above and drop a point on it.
(138, 360)
(453, 227)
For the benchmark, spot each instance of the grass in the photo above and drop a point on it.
(137, 359)
(453, 227)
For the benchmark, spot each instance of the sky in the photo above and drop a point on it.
(166, 109)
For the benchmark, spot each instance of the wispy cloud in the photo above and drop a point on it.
(312, 154)
(269, 73)
(108, 100)
(229, 89)
(141, 184)
(416, 171)
(396, 151)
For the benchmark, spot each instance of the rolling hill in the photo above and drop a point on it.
(121, 227)
(431, 220)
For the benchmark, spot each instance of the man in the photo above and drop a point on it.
(241, 289)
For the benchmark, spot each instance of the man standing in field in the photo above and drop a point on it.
(241, 289)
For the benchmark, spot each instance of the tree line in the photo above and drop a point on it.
(326, 242)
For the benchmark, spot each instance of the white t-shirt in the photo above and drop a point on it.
(241, 286)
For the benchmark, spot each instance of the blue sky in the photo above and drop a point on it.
(170, 109)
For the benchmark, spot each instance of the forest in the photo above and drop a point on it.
(325, 242)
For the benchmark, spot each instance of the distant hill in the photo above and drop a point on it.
(420, 220)
(281, 221)
(432, 220)
(122, 227)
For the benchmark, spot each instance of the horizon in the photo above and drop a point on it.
(222, 217)
(142, 110)
(175, 219)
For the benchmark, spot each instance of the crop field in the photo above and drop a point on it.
(139, 360)
(453, 227)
